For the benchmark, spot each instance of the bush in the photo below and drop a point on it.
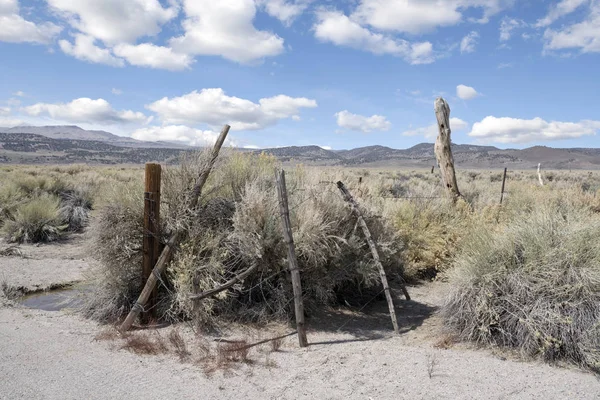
(38, 220)
(534, 286)
(116, 234)
(236, 227)
(75, 209)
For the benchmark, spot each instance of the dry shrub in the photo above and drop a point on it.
(233, 351)
(37, 220)
(179, 345)
(75, 209)
(116, 233)
(235, 227)
(144, 344)
(534, 286)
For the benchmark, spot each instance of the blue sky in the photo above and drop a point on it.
(338, 74)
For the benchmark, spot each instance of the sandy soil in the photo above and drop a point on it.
(54, 355)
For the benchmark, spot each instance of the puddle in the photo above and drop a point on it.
(71, 297)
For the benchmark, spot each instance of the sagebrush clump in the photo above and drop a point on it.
(533, 285)
(236, 227)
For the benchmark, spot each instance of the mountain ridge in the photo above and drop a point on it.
(70, 143)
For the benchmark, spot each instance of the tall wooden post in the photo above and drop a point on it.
(386, 288)
(443, 151)
(502, 191)
(293, 262)
(151, 229)
(540, 174)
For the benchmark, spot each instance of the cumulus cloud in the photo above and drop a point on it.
(466, 92)
(468, 43)
(515, 130)
(507, 26)
(337, 28)
(584, 35)
(16, 29)
(418, 16)
(115, 21)
(214, 107)
(85, 49)
(4, 110)
(356, 122)
(225, 28)
(85, 110)
(559, 10)
(178, 133)
(430, 132)
(284, 10)
(150, 55)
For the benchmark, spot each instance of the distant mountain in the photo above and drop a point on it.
(68, 144)
(73, 132)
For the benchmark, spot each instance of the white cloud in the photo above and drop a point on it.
(214, 107)
(150, 55)
(430, 132)
(19, 93)
(361, 123)
(507, 26)
(4, 110)
(85, 110)
(583, 35)
(225, 28)
(466, 92)
(505, 65)
(115, 21)
(339, 29)
(10, 122)
(419, 16)
(514, 130)
(284, 10)
(16, 29)
(559, 10)
(468, 43)
(251, 146)
(116, 91)
(178, 133)
(85, 49)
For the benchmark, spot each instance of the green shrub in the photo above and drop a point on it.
(534, 286)
(37, 220)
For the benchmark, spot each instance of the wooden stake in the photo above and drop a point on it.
(293, 262)
(388, 295)
(443, 150)
(432, 169)
(167, 252)
(151, 229)
(540, 174)
(502, 191)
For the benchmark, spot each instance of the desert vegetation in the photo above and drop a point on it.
(524, 275)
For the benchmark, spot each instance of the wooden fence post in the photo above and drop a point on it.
(502, 191)
(151, 229)
(442, 148)
(293, 262)
(167, 252)
(386, 288)
(540, 174)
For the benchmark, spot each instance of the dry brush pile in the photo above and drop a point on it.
(236, 227)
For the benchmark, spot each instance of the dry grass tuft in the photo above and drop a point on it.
(144, 344)
(178, 343)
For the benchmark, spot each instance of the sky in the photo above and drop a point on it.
(337, 74)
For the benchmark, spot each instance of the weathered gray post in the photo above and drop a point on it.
(443, 150)
(293, 262)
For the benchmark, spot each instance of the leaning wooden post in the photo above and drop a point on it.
(502, 191)
(167, 252)
(293, 262)
(540, 174)
(388, 294)
(443, 150)
(151, 228)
